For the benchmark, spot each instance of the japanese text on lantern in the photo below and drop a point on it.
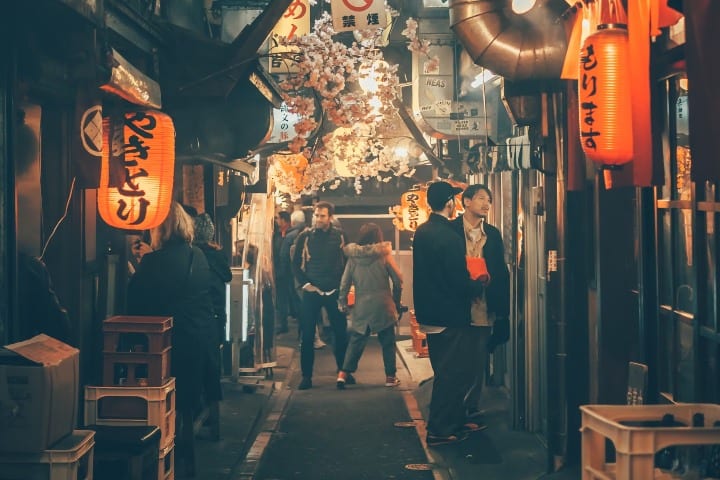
(132, 205)
(589, 88)
(136, 177)
(294, 22)
(358, 14)
(414, 211)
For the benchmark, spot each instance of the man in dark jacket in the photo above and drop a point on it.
(318, 263)
(490, 312)
(285, 279)
(442, 294)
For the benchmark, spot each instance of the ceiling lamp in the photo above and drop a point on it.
(372, 74)
(522, 6)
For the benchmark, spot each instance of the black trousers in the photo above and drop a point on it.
(451, 357)
(312, 303)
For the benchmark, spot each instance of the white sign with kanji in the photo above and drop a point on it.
(283, 124)
(358, 14)
(294, 22)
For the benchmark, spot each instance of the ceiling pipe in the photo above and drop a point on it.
(518, 47)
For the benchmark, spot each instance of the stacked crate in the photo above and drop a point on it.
(639, 432)
(137, 386)
(419, 339)
(71, 458)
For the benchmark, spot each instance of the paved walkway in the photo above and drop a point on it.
(368, 431)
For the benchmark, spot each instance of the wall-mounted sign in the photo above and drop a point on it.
(294, 22)
(351, 15)
(436, 111)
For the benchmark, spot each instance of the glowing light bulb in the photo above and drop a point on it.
(522, 6)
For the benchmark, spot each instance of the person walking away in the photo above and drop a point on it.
(370, 268)
(489, 312)
(318, 264)
(220, 276)
(283, 224)
(442, 294)
(284, 271)
(173, 279)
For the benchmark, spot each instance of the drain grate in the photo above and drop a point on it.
(409, 424)
(419, 466)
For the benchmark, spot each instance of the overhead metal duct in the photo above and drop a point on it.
(518, 47)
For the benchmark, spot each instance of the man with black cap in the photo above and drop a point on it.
(442, 295)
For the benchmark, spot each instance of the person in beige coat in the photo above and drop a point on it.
(370, 268)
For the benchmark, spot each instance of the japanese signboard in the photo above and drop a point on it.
(434, 98)
(351, 15)
(294, 22)
(283, 124)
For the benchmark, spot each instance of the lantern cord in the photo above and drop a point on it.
(62, 219)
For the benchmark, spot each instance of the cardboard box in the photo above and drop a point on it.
(38, 393)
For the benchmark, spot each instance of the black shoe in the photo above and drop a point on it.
(305, 383)
(349, 379)
(435, 440)
(472, 414)
(471, 427)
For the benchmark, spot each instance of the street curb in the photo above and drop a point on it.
(279, 399)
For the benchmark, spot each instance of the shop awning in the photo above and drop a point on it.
(212, 89)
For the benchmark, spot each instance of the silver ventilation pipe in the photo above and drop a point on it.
(518, 47)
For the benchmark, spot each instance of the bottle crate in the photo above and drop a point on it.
(166, 463)
(638, 432)
(123, 333)
(136, 369)
(70, 458)
(127, 406)
(126, 452)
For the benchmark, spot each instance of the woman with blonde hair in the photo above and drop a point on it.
(173, 279)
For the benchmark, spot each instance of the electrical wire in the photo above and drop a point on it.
(62, 219)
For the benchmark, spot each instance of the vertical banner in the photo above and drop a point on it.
(351, 15)
(294, 22)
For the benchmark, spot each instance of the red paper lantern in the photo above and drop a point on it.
(606, 132)
(414, 208)
(138, 165)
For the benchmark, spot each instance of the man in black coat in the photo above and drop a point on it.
(490, 312)
(442, 295)
(318, 263)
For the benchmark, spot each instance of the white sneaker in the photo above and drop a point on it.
(318, 344)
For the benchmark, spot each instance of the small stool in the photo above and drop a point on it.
(126, 452)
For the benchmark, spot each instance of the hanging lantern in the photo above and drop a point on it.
(606, 132)
(136, 175)
(288, 172)
(414, 208)
(348, 148)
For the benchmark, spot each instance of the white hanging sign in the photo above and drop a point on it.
(351, 15)
(283, 124)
